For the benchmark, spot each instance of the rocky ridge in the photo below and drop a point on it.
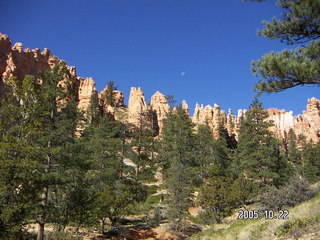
(18, 62)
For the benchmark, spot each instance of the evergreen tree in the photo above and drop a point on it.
(311, 157)
(94, 112)
(178, 160)
(222, 190)
(299, 25)
(18, 156)
(109, 94)
(221, 194)
(294, 154)
(56, 117)
(143, 148)
(258, 151)
(110, 178)
(204, 150)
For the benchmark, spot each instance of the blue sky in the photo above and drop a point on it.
(197, 50)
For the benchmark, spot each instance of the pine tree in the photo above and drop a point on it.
(56, 117)
(258, 151)
(311, 157)
(111, 180)
(220, 191)
(294, 154)
(143, 148)
(178, 160)
(94, 112)
(299, 25)
(109, 94)
(18, 156)
(204, 150)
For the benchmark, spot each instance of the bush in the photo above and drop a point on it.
(61, 236)
(294, 192)
(293, 227)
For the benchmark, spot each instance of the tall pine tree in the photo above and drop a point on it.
(258, 151)
(178, 159)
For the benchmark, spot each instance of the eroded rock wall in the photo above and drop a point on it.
(18, 62)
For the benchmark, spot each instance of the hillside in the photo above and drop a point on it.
(303, 224)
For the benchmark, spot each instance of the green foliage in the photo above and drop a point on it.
(204, 149)
(220, 195)
(37, 128)
(94, 112)
(294, 155)
(299, 24)
(311, 156)
(178, 161)
(109, 94)
(111, 183)
(143, 145)
(292, 227)
(294, 192)
(265, 165)
(170, 100)
(117, 200)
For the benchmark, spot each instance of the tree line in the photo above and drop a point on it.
(50, 174)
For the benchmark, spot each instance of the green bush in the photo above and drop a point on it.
(293, 227)
(294, 192)
(154, 199)
(152, 189)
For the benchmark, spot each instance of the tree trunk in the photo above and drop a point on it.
(102, 225)
(41, 231)
(42, 220)
(45, 193)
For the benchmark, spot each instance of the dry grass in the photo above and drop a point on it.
(265, 229)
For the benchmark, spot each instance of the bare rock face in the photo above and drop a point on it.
(19, 62)
(185, 107)
(232, 123)
(160, 108)
(137, 106)
(210, 116)
(87, 88)
(5, 48)
(118, 98)
(308, 123)
(282, 120)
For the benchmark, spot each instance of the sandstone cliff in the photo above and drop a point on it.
(118, 98)
(307, 124)
(87, 88)
(160, 108)
(137, 106)
(210, 116)
(18, 62)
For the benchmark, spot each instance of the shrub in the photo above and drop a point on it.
(294, 192)
(293, 227)
(61, 236)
